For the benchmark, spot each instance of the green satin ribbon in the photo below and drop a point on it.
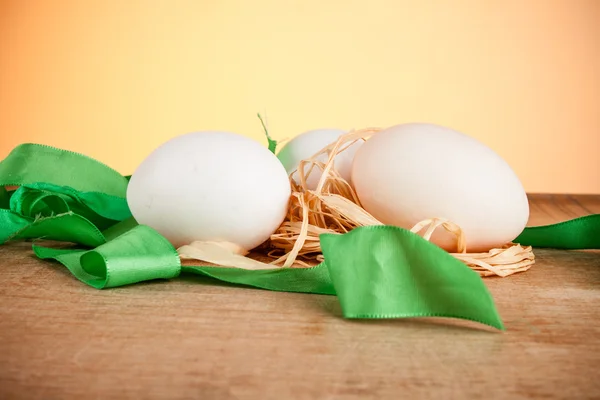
(32, 163)
(376, 272)
(575, 234)
(138, 254)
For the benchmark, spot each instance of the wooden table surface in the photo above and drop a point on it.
(193, 338)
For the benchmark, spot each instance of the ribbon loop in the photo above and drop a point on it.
(68, 227)
(140, 254)
(32, 203)
(47, 211)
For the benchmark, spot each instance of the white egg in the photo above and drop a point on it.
(307, 144)
(211, 186)
(411, 172)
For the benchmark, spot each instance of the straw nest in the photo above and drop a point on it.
(333, 207)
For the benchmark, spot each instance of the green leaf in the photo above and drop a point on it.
(271, 141)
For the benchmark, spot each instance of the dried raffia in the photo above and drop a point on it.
(333, 207)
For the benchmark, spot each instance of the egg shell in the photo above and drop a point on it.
(211, 186)
(307, 144)
(411, 172)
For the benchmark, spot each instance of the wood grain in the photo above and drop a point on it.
(194, 338)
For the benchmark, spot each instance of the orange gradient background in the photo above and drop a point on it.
(115, 78)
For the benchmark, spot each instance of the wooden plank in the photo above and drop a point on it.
(552, 208)
(194, 338)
